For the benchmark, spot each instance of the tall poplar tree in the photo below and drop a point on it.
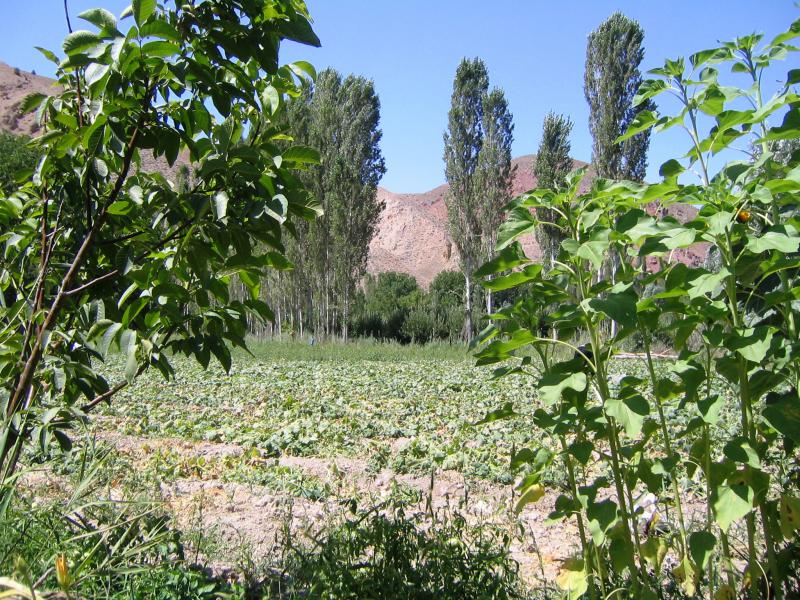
(550, 167)
(477, 157)
(613, 55)
(463, 141)
(495, 172)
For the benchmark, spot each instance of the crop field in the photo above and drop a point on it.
(297, 440)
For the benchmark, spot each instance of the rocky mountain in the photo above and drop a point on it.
(413, 238)
(412, 235)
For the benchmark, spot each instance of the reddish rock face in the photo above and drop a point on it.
(412, 234)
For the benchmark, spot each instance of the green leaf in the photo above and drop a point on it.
(780, 238)
(161, 29)
(701, 547)
(99, 17)
(512, 280)
(127, 343)
(108, 338)
(739, 450)
(519, 221)
(31, 102)
(221, 204)
(601, 516)
(619, 306)
(552, 385)
(644, 120)
(301, 155)
(160, 49)
(594, 250)
(630, 412)
(80, 40)
(752, 343)
(572, 578)
(142, 10)
(671, 168)
(302, 68)
(783, 414)
(731, 503)
(506, 412)
(648, 89)
(700, 58)
(48, 54)
(510, 257)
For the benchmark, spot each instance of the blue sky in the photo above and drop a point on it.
(534, 50)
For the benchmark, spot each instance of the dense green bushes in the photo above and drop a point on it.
(392, 306)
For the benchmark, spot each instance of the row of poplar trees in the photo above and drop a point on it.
(479, 136)
(338, 116)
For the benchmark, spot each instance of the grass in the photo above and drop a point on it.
(354, 350)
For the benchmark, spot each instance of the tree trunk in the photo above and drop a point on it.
(468, 306)
(345, 313)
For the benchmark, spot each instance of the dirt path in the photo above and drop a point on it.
(253, 517)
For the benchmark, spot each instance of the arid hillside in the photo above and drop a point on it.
(413, 237)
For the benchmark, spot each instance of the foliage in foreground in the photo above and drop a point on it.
(99, 254)
(731, 508)
(392, 552)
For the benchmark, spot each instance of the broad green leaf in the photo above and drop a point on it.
(701, 546)
(552, 385)
(128, 345)
(601, 516)
(302, 68)
(514, 279)
(161, 29)
(519, 221)
(739, 450)
(648, 89)
(594, 250)
(671, 168)
(572, 578)
(731, 503)
(80, 40)
(707, 283)
(99, 17)
(142, 10)
(789, 509)
(783, 414)
(752, 343)
(619, 306)
(161, 49)
(629, 412)
(509, 257)
(700, 58)
(783, 239)
(301, 155)
(506, 412)
(644, 120)
(48, 54)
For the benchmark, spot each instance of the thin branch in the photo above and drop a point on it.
(66, 14)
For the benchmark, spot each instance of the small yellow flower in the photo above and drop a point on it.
(62, 572)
